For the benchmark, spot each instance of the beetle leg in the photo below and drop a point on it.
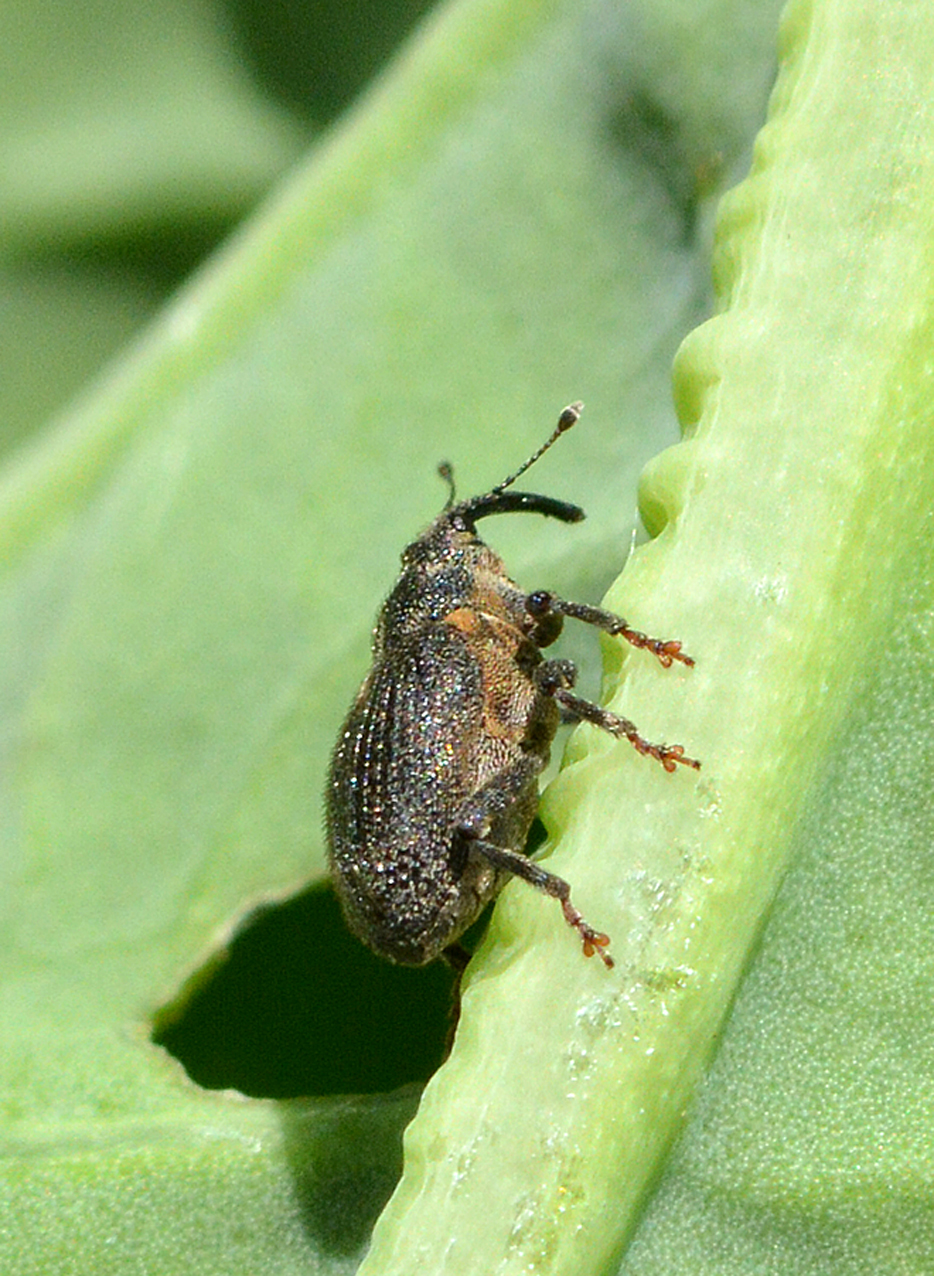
(498, 794)
(519, 865)
(542, 605)
(472, 827)
(457, 957)
(556, 677)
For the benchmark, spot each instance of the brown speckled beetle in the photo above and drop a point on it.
(433, 784)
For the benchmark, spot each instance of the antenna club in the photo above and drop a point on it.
(570, 416)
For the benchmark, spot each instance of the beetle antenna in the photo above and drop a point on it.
(446, 470)
(570, 416)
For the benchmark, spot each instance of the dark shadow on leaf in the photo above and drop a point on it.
(345, 1156)
(643, 127)
(315, 55)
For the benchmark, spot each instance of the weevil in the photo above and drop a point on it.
(433, 784)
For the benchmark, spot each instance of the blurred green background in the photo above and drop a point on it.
(133, 140)
(348, 276)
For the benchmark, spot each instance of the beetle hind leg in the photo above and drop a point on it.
(519, 865)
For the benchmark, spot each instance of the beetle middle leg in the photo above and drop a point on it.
(546, 608)
(555, 678)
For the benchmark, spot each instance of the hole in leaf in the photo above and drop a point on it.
(297, 1006)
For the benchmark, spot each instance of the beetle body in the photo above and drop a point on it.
(433, 784)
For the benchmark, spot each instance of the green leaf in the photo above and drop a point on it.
(514, 217)
(794, 560)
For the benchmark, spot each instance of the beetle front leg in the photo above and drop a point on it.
(542, 606)
(556, 677)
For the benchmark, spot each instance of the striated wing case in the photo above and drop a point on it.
(406, 761)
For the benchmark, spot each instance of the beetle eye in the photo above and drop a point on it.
(538, 603)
